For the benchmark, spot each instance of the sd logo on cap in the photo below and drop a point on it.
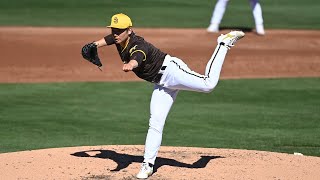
(120, 21)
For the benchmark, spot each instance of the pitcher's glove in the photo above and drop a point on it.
(90, 53)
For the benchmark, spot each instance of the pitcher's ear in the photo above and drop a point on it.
(129, 30)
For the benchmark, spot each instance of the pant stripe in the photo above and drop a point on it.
(213, 60)
(197, 75)
(186, 71)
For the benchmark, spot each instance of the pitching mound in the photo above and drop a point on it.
(123, 162)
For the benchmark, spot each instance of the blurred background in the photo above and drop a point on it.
(292, 14)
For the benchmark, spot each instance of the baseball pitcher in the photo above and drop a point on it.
(168, 74)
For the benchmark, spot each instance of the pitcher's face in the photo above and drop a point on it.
(121, 35)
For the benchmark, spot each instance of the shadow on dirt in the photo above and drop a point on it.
(242, 28)
(124, 160)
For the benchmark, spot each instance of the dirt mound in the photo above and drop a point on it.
(123, 162)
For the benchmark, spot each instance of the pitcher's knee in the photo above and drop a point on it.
(156, 124)
(210, 86)
(208, 90)
(157, 129)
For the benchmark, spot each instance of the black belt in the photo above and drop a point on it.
(157, 78)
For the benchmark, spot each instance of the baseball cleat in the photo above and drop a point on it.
(145, 171)
(260, 29)
(230, 39)
(213, 28)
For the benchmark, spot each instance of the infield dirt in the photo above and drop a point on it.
(53, 55)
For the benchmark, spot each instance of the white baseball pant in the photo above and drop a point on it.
(177, 76)
(221, 6)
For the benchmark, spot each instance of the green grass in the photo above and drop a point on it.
(292, 14)
(280, 115)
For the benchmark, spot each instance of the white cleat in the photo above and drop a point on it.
(230, 39)
(213, 28)
(260, 29)
(145, 171)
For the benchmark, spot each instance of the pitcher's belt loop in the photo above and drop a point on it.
(157, 78)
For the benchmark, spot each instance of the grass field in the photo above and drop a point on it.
(273, 114)
(292, 14)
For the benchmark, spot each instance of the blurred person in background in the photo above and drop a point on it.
(220, 8)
